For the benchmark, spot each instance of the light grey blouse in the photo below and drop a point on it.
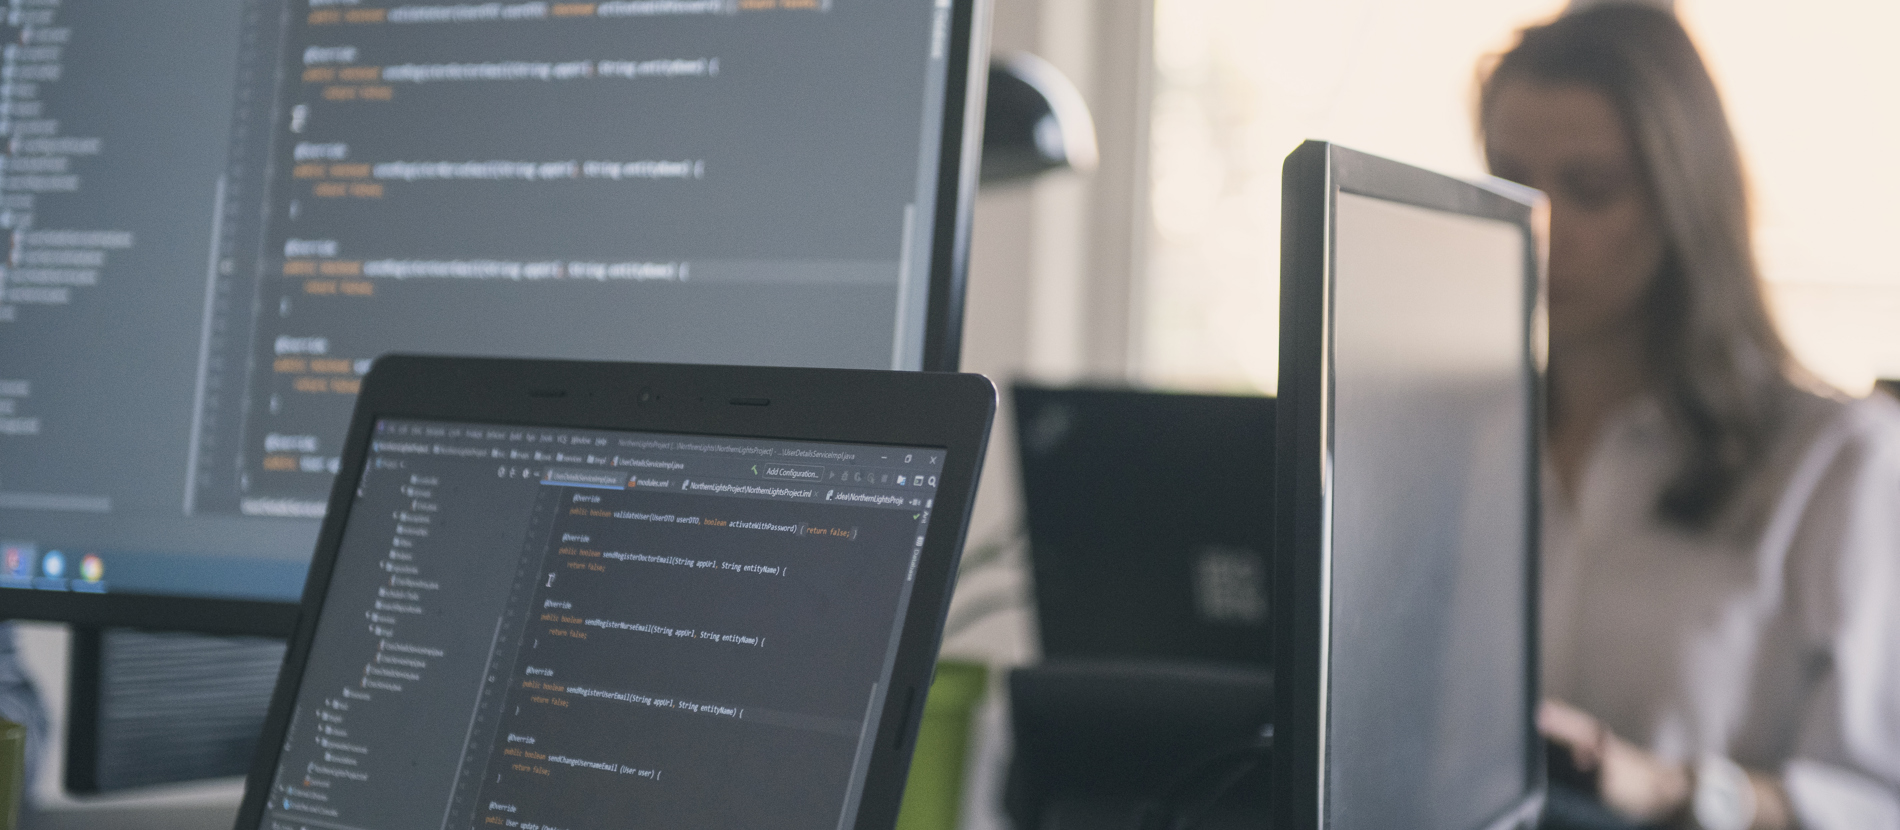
(1772, 639)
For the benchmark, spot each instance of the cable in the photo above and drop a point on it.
(1176, 808)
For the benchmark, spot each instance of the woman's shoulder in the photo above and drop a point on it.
(1859, 446)
(1877, 416)
(1836, 523)
(1829, 449)
(1837, 471)
(1865, 429)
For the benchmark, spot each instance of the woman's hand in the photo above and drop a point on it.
(1634, 783)
(1640, 786)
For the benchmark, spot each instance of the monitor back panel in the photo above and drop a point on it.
(1150, 522)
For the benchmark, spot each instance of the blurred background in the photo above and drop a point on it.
(1237, 84)
(1160, 268)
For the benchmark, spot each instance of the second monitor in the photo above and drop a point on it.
(1411, 332)
(221, 212)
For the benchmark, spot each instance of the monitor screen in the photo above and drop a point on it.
(220, 212)
(1431, 439)
(1406, 498)
(539, 627)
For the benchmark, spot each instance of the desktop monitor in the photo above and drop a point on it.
(219, 212)
(1411, 348)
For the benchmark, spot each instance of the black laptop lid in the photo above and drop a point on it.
(569, 596)
(1150, 522)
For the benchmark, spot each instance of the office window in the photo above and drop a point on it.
(1239, 83)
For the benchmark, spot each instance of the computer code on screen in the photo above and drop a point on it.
(221, 212)
(577, 628)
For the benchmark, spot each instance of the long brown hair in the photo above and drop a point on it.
(1715, 361)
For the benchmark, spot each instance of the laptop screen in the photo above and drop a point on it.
(562, 629)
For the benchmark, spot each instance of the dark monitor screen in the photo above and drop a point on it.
(1410, 381)
(220, 212)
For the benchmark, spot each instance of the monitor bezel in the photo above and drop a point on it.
(1314, 175)
(959, 154)
(960, 158)
(899, 409)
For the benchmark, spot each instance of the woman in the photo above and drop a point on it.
(1722, 550)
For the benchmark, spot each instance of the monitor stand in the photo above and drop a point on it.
(45, 650)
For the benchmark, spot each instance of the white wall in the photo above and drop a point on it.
(1053, 269)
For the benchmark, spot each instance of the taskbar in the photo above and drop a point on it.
(29, 566)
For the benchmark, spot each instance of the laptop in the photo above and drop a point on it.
(565, 595)
(1150, 523)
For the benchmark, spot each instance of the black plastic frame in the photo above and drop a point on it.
(1312, 178)
(170, 613)
(912, 409)
(85, 713)
(959, 158)
(86, 656)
